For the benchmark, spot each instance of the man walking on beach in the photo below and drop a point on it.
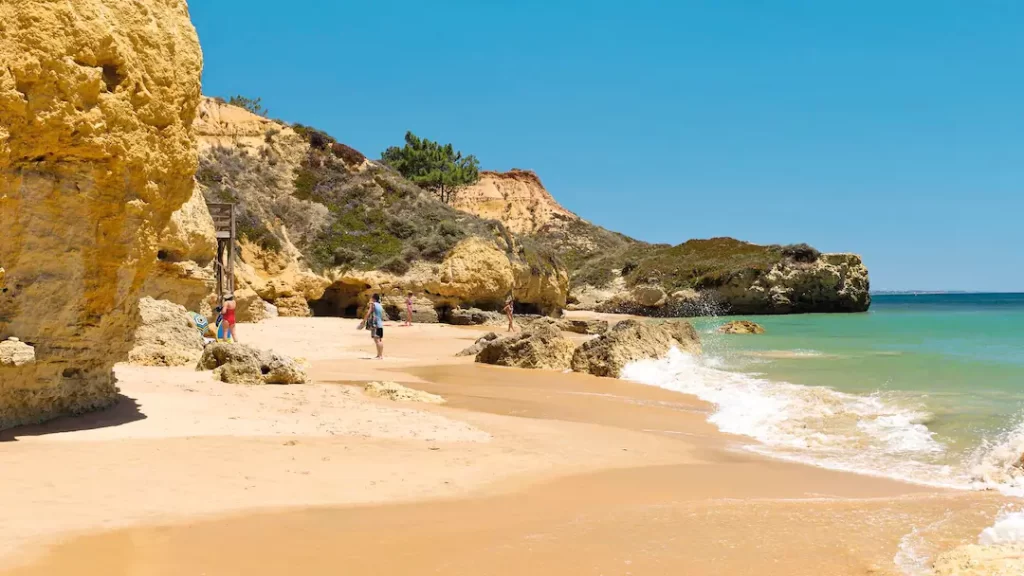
(375, 322)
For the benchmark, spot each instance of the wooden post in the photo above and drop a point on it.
(224, 226)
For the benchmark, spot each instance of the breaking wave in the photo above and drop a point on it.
(882, 434)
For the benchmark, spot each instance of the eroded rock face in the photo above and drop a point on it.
(186, 248)
(243, 364)
(539, 346)
(834, 283)
(741, 327)
(97, 99)
(632, 340)
(166, 336)
(479, 345)
(517, 198)
(15, 353)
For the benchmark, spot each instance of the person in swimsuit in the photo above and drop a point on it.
(229, 318)
(375, 322)
(408, 309)
(509, 305)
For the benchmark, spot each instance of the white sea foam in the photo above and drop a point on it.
(1000, 463)
(915, 554)
(1008, 529)
(869, 434)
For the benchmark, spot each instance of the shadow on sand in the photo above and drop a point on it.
(126, 410)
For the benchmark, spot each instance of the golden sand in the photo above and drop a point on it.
(520, 472)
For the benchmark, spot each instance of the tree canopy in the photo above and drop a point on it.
(433, 166)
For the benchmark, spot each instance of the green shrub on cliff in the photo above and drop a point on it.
(433, 166)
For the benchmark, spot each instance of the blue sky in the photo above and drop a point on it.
(890, 129)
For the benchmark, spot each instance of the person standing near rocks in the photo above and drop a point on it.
(374, 320)
(408, 309)
(509, 306)
(229, 318)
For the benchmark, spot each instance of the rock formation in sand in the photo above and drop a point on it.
(397, 393)
(516, 198)
(977, 560)
(166, 336)
(632, 340)
(539, 346)
(243, 364)
(576, 326)
(741, 327)
(479, 345)
(97, 99)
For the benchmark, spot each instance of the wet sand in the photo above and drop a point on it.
(521, 472)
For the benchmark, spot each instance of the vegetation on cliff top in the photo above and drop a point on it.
(593, 255)
(341, 211)
(433, 166)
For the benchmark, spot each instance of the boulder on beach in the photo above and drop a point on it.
(479, 345)
(541, 345)
(574, 326)
(473, 317)
(243, 364)
(741, 327)
(632, 340)
(397, 393)
(166, 336)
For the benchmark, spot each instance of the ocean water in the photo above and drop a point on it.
(926, 388)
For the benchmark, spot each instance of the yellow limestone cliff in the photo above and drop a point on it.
(97, 99)
(517, 198)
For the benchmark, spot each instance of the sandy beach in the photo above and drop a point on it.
(520, 471)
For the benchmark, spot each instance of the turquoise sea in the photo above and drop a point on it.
(928, 388)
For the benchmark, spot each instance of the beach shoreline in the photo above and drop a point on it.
(192, 459)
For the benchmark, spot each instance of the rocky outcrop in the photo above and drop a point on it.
(97, 99)
(539, 346)
(516, 198)
(184, 261)
(978, 560)
(243, 364)
(741, 327)
(166, 336)
(474, 317)
(14, 353)
(397, 393)
(479, 345)
(287, 254)
(633, 340)
(475, 274)
(833, 283)
(576, 326)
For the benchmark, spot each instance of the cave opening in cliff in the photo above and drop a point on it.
(339, 300)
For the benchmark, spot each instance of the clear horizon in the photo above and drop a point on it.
(887, 130)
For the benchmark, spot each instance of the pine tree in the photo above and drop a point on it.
(433, 166)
